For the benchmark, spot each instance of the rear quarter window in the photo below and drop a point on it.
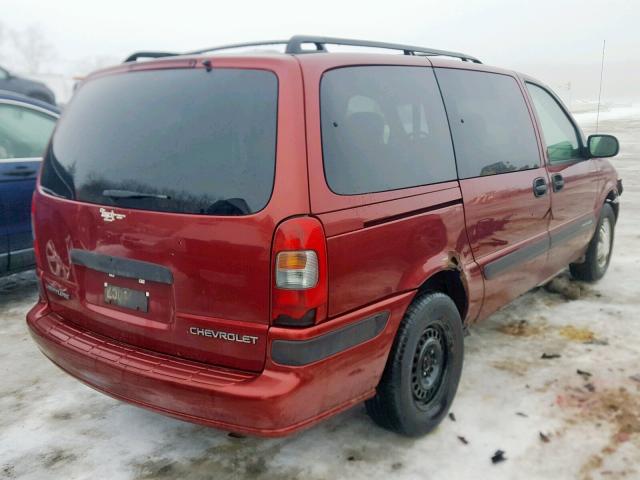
(383, 128)
(490, 123)
(188, 140)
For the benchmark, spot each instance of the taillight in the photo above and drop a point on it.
(299, 283)
(297, 270)
(36, 250)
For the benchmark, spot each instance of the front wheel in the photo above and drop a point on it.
(599, 251)
(423, 370)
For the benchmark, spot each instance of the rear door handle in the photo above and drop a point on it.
(20, 172)
(558, 182)
(539, 187)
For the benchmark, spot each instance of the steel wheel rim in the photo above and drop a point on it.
(429, 365)
(604, 243)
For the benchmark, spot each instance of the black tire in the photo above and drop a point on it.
(594, 266)
(404, 401)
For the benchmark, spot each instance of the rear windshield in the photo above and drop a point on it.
(180, 140)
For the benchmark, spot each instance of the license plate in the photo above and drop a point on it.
(126, 297)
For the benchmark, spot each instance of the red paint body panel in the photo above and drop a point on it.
(501, 219)
(380, 249)
(577, 200)
(395, 256)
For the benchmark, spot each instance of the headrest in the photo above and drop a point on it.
(368, 125)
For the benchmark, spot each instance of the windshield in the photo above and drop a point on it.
(179, 140)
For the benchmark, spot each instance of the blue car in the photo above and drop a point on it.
(25, 127)
(11, 82)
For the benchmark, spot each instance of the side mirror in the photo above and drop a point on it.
(602, 146)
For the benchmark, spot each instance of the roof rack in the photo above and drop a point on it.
(296, 43)
(296, 46)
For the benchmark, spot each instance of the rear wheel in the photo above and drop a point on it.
(599, 251)
(423, 369)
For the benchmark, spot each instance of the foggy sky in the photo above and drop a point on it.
(558, 41)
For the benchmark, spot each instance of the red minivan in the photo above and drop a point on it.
(258, 241)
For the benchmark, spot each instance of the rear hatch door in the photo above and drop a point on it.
(153, 217)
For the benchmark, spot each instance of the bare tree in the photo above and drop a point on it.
(33, 48)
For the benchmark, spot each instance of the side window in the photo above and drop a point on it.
(383, 128)
(3, 74)
(490, 123)
(24, 133)
(559, 133)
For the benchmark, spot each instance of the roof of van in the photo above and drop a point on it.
(319, 56)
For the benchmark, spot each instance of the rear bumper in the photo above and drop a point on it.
(278, 401)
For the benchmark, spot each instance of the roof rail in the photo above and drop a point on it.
(296, 42)
(137, 55)
(295, 46)
(239, 45)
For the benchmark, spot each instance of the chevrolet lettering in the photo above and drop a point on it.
(229, 337)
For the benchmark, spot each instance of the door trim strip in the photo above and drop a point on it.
(515, 258)
(571, 230)
(531, 251)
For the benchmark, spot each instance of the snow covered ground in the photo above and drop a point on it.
(550, 421)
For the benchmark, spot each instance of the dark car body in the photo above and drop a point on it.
(25, 127)
(27, 87)
(179, 301)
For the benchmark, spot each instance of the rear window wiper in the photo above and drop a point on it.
(132, 194)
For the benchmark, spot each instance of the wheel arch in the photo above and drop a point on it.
(612, 200)
(450, 282)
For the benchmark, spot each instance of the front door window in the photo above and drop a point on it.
(560, 136)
